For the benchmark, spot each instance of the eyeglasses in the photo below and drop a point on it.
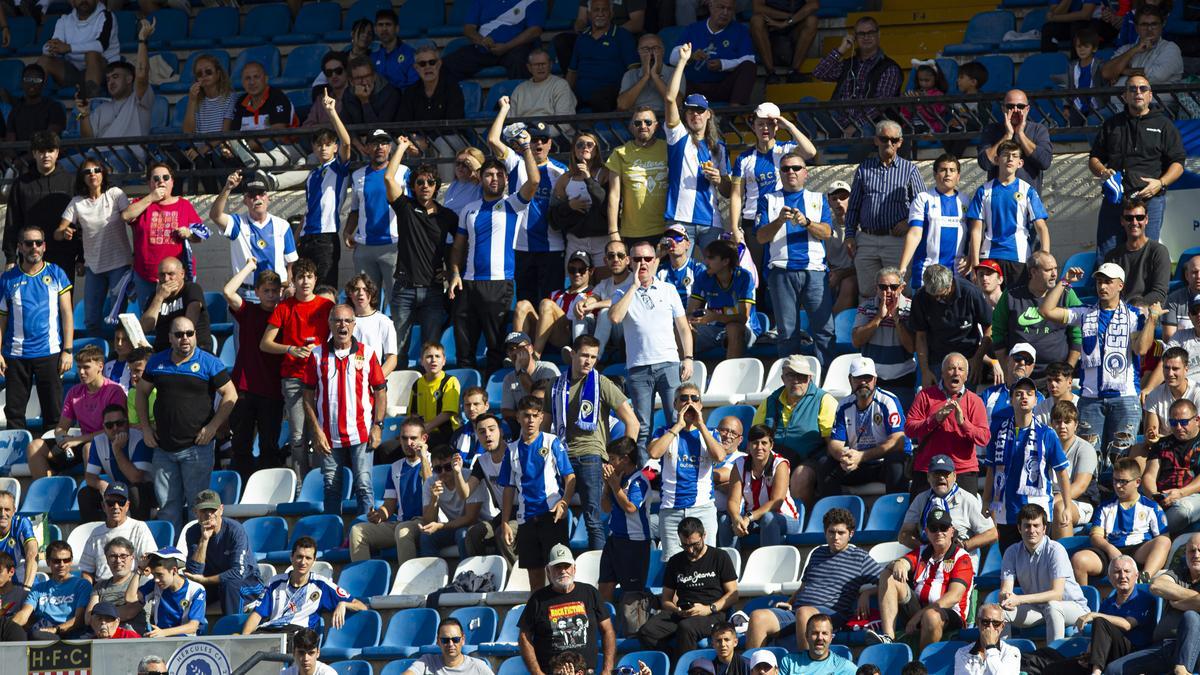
(888, 287)
(643, 258)
(115, 502)
(161, 178)
(684, 398)
(60, 561)
(1015, 106)
(1137, 88)
(1135, 218)
(1023, 359)
(644, 123)
(34, 243)
(450, 640)
(439, 468)
(209, 71)
(1181, 422)
(791, 168)
(180, 334)
(335, 71)
(577, 270)
(119, 556)
(426, 63)
(890, 139)
(584, 145)
(425, 182)
(617, 255)
(732, 433)
(33, 80)
(116, 424)
(91, 170)
(991, 623)
(1122, 482)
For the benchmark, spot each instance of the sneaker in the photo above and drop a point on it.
(875, 638)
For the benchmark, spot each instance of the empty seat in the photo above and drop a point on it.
(227, 484)
(888, 551)
(210, 25)
(814, 530)
(313, 20)
(407, 631)
(49, 494)
(767, 569)
(361, 630)
(494, 565)
(229, 624)
(505, 643)
(261, 23)
(399, 388)
(732, 380)
(80, 535)
(325, 529)
(415, 580)
(266, 534)
(366, 578)
(170, 25)
(312, 495)
(515, 591)
(266, 55)
(301, 66)
(163, 532)
(837, 376)
(985, 32)
(14, 443)
(887, 515)
(397, 667)
(513, 665)
(587, 567)
(265, 489)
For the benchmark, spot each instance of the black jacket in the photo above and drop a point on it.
(40, 200)
(1139, 146)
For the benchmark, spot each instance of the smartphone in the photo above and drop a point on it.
(80, 95)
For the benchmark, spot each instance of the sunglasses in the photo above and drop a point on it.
(1023, 358)
(888, 287)
(938, 529)
(991, 623)
(117, 424)
(643, 258)
(1015, 106)
(161, 178)
(439, 468)
(540, 139)
(1135, 218)
(684, 398)
(91, 170)
(450, 640)
(644, 123)
(180, 334)
(115, 502)
(209, 71)
(60, 561)
(677, 238)
(425, 182)
(585, 145)
(427, 63)
(1137, 89)
(34, 243)
(577, 270)
(1181, 422)
(616, 256)
(791, 168)
(890, 139)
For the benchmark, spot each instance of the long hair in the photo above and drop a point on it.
(81, 187)
(597, 161)
(224, 87)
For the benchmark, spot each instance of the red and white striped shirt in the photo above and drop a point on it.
(757, 491)
(930, 578)
(346, 388)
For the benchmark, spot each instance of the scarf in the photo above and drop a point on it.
(942, 503)
(1033, 461)
(589, 403)
(1108, 350)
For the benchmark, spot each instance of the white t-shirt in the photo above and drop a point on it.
(92, 559)
(1041, 412)
(377, 332)
(105, 235)
(431, 664)
(650, 324)
(1159, 401)
(606, 289)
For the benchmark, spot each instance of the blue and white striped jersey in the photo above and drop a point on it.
(284, 605)
(865, 429)
(534, 233)
(30, 310)
(270, 243)
(491, 232)
(535, 470)
(324, 192)
(1008, 213)
(792, 248)
(759, 172)
(368, 196)
(169, 608)
(1130, 526)
(632, 526)
(686, 471)
(690, 197)
(404, 484)
(943, 239)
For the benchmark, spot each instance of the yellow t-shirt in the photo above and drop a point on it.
(643, 174)
(424, 399)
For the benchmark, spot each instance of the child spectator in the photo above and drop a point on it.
(371, 326)
(474, 404)
(1064, 419)
(176, 604)
(1083, 73)
(117, 369)
(436, 395)
(625, 558)
(1006, 217)
(1128, 524)
(1058, 388)
(928, 81)
(966, 116)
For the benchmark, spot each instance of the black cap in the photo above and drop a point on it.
(538, 130)
(256, 183)
(582, 256)
(939, 518)
(106, 609)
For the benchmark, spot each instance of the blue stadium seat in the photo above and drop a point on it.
(229, 624)
(301, 100)
(302, 65)
(397, 667)
(1000, 73)
(218, 313)
(266, 534)
(312, 21)
(418, 16)
(49, 494)
(889, 657)
(366, 578)
(210, 25)
(163, 532)
(658, 662)
(325, 528)
(843, 326)
(939, 657)
(985, 32)
(13, 446)
(502, 88)
(1184, 257)
(1086, 260)
(228, 353)
(1037, 73)
(407, 631)
(495, 389)
(312, 494)
(22, 32)
(655, 570)
(170, 26)
(887, 514)
(361, 630)
(186, 72)
(1034, 20)
(745, 413)
(227, 484)
(513, 665)
(127, 23)
(989, 568)
(685, 660)
(472, 96)
(267, 55)
(459, 13)
(814, 530)
(44, 34)
(505, 643)
(262, 22)
(352, 668)
(467, 377)
(364, 9)
(479, 627)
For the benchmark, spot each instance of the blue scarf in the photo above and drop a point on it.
(1033, 462)
(589, 403)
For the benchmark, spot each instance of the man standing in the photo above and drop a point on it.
(38, 198)
(176, 296)
(1041, 568)
(565, 616)
(722, 66)
(344, 403)
(1016, 319)
(370, 229)
(219, 556)
(948, 419)
(867, 443)
(637, 181)
(325, 189)
(394, 60)
(36, 330)
(258, 235)
(188, 382)
(1140, 149)
(877, 218)
(972, 529)
(93, 564)
(1147, 263)
(1032, 137)
(949, 315)
(866, 74)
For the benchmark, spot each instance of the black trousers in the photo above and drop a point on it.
(539, 275)
(22, 376)
(831, 477)
(256, 414)
(736, 88)
(326, 251)
(687, 632)
(466, 62)
(1108, 644)
(141, 500)
(482, 308)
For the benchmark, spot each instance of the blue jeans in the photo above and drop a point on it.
(144, 290)
(178, 478)
(431, 545)
(796, 289)
(423, 306)
(1184, 650)
(1109, 232)
(668, 526)
(589, 484)
(97, 287)
(358, 458)
(771, 529)
(642, 383)
(1108, 417)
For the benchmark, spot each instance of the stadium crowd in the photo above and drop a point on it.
(1015, 402)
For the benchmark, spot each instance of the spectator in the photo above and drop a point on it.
(726, 657)
(296, 325)
(1153, 57)
(484, 536)
(163, 227)
(431, 96)
(127, 112)
(528, 373)
(37, 199)
(578, 203)
(306, 649)
(1083, 459)
(646, 84)
(123, 563)
(1108, 402)
(94, 215)
(884, 187)
(868, 73)
(435, 396)
(817, 657)
(1176, 385)
(721, 66)
(792, 225)
(279, 613)
(209, 100)
(697, 161)
(246, 114)
(368, 100)
(176, 296)
(34, 112)
(465, 440)
(396, 520)
(259, 409)
(1041, 568)
(676, 266)
(176, 604)
(843, 280)
(12, 596)
(554, 322)
(448, 503)
(638, 182)
(394, 60)
(450, 660)
(372, 327)
(1179, 301)
(581, 403)
(600, 56)
(1147, 263)
(867, 443)
(334, 67)
(1014, 322)
(219, 556)
(629, 15)
(928, 589)
(722, 301)
(17, 540)
(801, 416)
(1130, 524)
(948, 418)
(949, 315)
(1176, 633)
(83, 42)
(1171, 468)
(1032, 139)
(935, 225)
(881, 332)
(759, 500)
(625, 557)
(371, 228)
(53, 610)
(565, 617)
(784, 30)
(1006, 217)
(499, 36)
(989, 654)
(1067, 18)
(688, 452)
(104, 619)
(602, 297)
(464, 190)
(972, 530)
(538, 482)
(117, 368)
(259, 234)
(1019, 363)
(483, 283)
(699, 587)
(185, 412)
(1144, 162)
(93, 563)
(37, 330)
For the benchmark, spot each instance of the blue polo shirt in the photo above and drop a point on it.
(601, 62)
(729, 44)
(503, 20)
(396, 66)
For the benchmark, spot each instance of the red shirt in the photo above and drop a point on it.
(254, 370)
(154, 236)
(949, 437)
(124, 634)
(346, 388)
(931, 581)
(296, 322)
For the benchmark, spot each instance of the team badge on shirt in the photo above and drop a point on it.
(545, 451)
(260, 243)
(46, 280)
(316, 595)
(878, 418)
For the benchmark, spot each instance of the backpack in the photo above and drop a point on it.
(634, 609)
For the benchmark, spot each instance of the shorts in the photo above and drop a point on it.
(536, 536)
(593, 245)
(59, 458)
(787, 619)
(1125, 550)
(909, 608)
(712, 336)
(1086, 509)
(625, 563)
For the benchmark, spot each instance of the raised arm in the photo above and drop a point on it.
(395, 189)
(230, 289)
(493, 133)
(216, 212)
(671, 100)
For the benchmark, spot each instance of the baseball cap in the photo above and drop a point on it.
(761, 657)
(799, 365)
(106, 609)
(208, 499)
(257, 183)
(170, 553)
(941, 463)
(1024, 382)
(991, 265)
(696, 101)
(838, 185)
(582, 256)
(1110, 270)
(766, 110)
(702, 666)
(1194, 302)
(939, 518)
(516, 338)
(117, 490)
(380, 135)
(512, 132)
(539, 130)
(1023, 348)
(560, 555)
(677, 229)
(862, 366)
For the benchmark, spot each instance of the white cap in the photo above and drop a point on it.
(1023, 348)
(762, 656)
(1110, 270)
(862, 366)
(766, 110)
(837, 185)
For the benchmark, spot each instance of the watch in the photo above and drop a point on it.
(713, 608)
(69, 350)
